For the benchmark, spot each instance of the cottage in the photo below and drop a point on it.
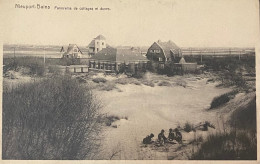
(112, 59)
(163, 52)
(73, 51)
(96, 45)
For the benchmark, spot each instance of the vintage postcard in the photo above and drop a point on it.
(111, 81)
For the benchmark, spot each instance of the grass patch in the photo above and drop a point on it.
(245, 117)
(228, 146)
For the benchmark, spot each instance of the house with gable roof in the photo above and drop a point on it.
(162, 52)
(72, 51)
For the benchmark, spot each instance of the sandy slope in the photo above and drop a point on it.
(150, 109)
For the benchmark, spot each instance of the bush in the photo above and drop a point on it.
(228, 146)
(188, 127)
(50, 119)
(99, 80)
(222, 99)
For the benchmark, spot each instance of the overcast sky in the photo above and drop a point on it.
(188, 23)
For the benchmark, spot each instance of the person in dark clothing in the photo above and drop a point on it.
(171, 135)
(148, 139)
(161, 137)
(178, 137)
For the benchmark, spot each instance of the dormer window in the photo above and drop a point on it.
(151, 51)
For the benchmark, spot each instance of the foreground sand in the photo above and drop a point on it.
(150, 109)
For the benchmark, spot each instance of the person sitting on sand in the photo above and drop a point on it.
(161, 137)
(178, 137)
(171, 135)
(148, 139)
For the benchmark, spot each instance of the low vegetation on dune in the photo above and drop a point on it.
(234, 145)
(55, 118)
(237, 143)
(222, 99)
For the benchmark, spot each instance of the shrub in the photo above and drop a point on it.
(222, 99)
(188, 127)
(99, 80)
(50, 119)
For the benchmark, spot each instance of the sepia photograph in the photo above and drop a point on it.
(129, 80)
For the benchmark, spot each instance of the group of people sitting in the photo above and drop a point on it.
(173, 135)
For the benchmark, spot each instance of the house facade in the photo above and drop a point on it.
(72, 51)
(96, 45)
(163, 52)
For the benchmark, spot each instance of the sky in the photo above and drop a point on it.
(188, 23)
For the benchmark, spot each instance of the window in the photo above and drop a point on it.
(151, 51)
(157, 51)
(75, 50)
(97, 42)
(97, 49)
(102, 43)
(160, 59)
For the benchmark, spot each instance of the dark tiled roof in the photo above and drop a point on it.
(119, 55)
(106, 54)
(168, 47)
